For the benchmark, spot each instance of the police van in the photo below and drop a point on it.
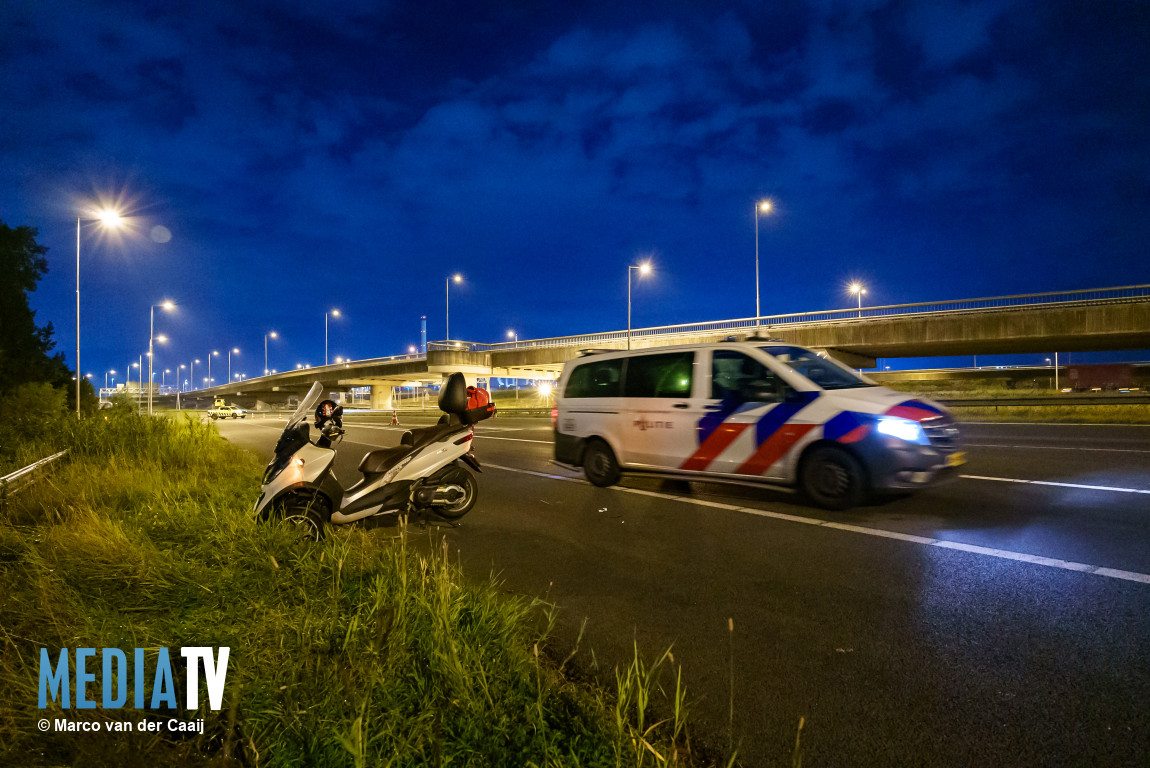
(757, 411)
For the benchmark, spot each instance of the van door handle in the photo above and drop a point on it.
(712, 407)
(680, 405)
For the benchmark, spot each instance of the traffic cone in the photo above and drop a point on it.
(394, 419)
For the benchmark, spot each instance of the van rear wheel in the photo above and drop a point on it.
(599, 464)
(832, 479)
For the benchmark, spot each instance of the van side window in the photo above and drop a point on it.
(668, 375)
(599, 378)
(734, 374)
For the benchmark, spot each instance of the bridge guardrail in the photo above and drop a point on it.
(771, 322)
(14, 482)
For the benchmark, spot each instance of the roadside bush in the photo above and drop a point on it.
(31, 423)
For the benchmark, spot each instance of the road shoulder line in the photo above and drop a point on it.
(974, 549)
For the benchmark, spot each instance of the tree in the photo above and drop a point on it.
(25, 348)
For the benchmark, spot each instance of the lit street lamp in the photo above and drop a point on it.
(192, 375)
(274, 335)
(858, 290)
(108, 218)
(106, 378)
(151, 332)
(230, 351)
(644, 269)
(515, 336)
(763, 206)
(450, 279)
(333, 313)
(215, 353)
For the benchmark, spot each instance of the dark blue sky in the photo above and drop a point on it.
(304, 156)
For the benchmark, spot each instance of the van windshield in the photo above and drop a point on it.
(819, 370)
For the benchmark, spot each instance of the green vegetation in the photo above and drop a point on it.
(366, 649)
(1060, 414)
(1102, 413)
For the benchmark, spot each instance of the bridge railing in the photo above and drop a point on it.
(769, 322)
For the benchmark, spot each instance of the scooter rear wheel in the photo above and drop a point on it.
(457, 480)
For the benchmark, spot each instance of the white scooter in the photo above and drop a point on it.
(425, 473)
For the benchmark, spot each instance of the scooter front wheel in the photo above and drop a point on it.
(307, 512)
(461, 491)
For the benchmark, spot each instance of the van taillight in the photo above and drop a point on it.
(555, 417)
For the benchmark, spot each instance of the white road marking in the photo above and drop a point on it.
(1055, 448)
(1079, 486)
(1066, 565)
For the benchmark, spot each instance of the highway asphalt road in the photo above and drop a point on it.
(1003, 619)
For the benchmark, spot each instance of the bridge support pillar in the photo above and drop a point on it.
(381, 397)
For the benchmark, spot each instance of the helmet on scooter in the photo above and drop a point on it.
(328, 410)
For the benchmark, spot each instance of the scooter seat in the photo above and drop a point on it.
(383, 459)
(418, 438)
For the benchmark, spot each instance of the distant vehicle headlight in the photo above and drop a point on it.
(903, 429)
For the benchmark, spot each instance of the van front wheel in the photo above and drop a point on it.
(599, 464)
(832, 478)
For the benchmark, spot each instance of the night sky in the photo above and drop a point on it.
(283, 158)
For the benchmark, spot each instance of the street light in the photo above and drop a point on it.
(274, 335)
(333, 313)
(151, 332)
(230, 351)
(858, 290)
(447, 290)
(106, 378)
(215, 353)
(192, 375)
(644, 269)
(515, 336)
(108, 218)
(763, 206)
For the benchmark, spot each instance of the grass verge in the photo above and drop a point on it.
(357, 651)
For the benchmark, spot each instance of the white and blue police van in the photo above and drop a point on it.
(749, 411)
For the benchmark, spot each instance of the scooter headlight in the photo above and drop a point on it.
(903, 429)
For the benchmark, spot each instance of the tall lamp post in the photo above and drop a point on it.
(764, 207)
(515, 336)
(858, 290)
(447, 291)
(151, 333)
(215, 353)
(333, 313)
(192, 375)
(644, 269)
(106, 378)
(230, 351)
(274, 335)
(109, 218)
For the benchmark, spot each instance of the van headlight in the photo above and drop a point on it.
(903, 429)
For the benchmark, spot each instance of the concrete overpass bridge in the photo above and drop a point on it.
(1073, 321)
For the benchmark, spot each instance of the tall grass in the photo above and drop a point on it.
(359, 651)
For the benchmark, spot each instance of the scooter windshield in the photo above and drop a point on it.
(305, 406)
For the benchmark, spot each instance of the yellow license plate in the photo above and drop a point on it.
(956, 458)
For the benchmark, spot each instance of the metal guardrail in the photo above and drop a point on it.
(768, 323)
(20, 479)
